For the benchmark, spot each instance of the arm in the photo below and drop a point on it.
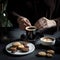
(57, 20)
(10, 8)
(14, 10)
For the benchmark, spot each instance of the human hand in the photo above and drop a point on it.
(43, 23)
(23, 22)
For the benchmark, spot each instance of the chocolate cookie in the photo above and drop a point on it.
(26, 49)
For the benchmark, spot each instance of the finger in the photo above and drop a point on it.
(27, 22)
(25, 25)
(44, 23)
(38, 26)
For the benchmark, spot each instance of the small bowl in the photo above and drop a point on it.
(47, 40)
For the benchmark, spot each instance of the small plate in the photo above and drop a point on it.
(31, 49)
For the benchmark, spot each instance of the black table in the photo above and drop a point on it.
(15, 34)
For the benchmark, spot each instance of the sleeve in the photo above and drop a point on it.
(57, 20)
(12, 7)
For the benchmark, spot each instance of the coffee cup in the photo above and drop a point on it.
(30, 32)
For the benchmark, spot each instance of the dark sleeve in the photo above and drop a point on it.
(56, 13)
(12, 7)
(57, 20)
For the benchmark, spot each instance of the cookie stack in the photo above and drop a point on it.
(18, 46)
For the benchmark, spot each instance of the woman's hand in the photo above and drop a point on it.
(23, 22)
(43, 23)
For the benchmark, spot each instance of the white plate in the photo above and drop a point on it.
(31, 49)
